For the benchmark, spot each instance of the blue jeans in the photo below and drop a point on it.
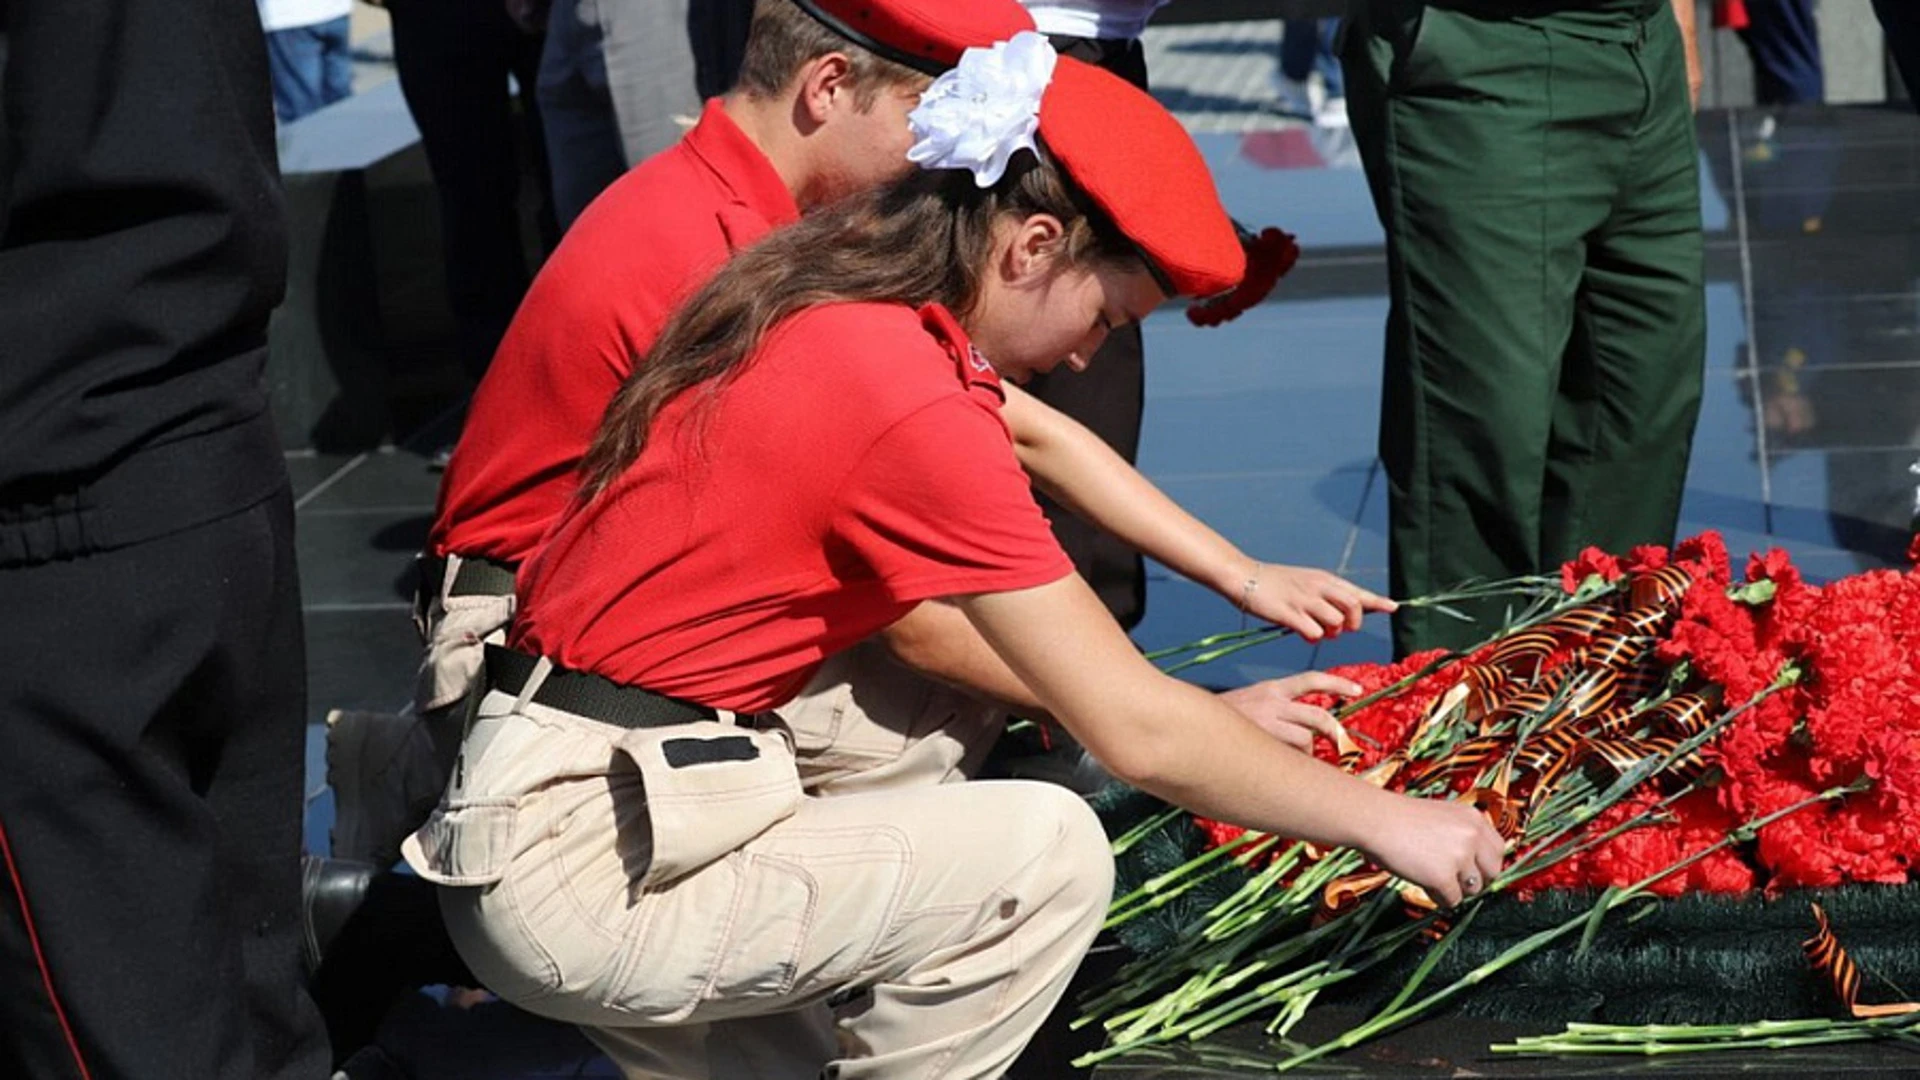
(1306, 44)
(311, 67)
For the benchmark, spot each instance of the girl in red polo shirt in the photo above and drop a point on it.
(811, 448)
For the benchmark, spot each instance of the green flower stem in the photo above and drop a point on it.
(1388, 1020)
(1145, 829)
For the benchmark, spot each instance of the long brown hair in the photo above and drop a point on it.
(926, 239)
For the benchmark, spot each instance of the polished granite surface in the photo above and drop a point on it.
(1266, 428)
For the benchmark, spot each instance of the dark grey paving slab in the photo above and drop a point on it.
(1861, 501)
(386, 479)
(359, 660)
(1842, 408)
(307, 469)
(358, 558)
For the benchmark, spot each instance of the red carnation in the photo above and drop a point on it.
(1588, 563)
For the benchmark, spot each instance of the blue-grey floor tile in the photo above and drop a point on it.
(316, 834)
(1283, 345)
(1295, 518)
(1368, 548)
(1293, 430)
(1283, 178)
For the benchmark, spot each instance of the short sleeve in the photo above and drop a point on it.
(939, 506)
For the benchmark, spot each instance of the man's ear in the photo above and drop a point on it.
(1037, 245)
(823, 81)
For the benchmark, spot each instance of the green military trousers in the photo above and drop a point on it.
(1534, 166)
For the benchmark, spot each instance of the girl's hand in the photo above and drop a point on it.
(1446, 848)
(1274, 707)
(1312, 603)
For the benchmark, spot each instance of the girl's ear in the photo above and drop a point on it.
(1037, 245)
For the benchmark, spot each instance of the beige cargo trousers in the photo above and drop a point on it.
(805, 895)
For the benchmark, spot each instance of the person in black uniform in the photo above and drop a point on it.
(152, 677)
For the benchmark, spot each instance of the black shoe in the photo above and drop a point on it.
(371, 1063)
(331, 890)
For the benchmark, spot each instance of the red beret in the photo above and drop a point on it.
(1136, 162)
(926, 35)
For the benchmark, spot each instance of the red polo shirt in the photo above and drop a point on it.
(650, 240)
(856, 466)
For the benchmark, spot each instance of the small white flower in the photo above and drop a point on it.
(986, 109)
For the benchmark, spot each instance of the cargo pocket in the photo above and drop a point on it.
(709, 788)
(468, 842)
(732, 933)
(457, 648)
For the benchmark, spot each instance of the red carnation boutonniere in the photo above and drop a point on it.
(1269, 256)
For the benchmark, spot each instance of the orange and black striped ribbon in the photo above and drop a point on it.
(1830, 959)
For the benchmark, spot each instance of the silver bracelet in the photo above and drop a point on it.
(1246, 591)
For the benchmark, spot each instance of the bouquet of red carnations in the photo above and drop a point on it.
(1648, 725)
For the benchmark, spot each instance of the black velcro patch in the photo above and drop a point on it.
(681, 753)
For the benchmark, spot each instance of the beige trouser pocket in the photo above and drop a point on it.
(709, 788)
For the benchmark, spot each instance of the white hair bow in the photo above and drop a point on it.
(985, 110)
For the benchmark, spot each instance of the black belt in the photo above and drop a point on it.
(481, 577)
(588, 695)
(476, 577)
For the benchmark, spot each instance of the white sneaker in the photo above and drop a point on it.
(386, 778)
(1294, 97)
(1332, 113)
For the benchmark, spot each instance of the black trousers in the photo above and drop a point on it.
(1901, 22)
(454, 58)
(1109, 398)
(152, 715)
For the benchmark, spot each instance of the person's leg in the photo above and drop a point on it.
(453, 61)
(1326, 58)
(150, 810)
(648, 51)
(1298, 40)
(295, 64)
(576, 113)
(1468, 157)
(1785, 42)
(943, 922)
(1623, 426)
(336, 59)
(1900, 20)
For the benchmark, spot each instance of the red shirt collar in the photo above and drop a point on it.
(972, 367)
(740, 166)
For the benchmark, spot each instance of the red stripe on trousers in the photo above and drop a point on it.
(33, 938)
